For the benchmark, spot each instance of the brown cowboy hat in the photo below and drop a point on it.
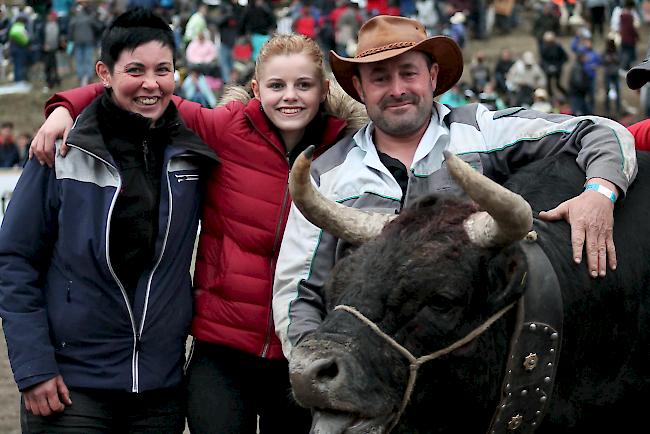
(384, 36)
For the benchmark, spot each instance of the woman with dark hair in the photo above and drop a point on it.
(95, 293)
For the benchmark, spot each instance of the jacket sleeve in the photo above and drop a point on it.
(306, 259)
(74, 100)
(515, 137)
(27, 236)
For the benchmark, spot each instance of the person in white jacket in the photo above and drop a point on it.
(398, 157)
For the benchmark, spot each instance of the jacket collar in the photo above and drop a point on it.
(332, 132)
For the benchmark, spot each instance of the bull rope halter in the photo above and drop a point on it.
(416, 362)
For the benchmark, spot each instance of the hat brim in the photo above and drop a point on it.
(444, 51)
(638, 75)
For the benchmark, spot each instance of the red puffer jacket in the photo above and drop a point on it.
(244, 213)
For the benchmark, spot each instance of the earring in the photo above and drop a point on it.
(106, 85)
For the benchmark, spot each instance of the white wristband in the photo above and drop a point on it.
(609, 194)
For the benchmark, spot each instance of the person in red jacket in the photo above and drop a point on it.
(236, 370)
(305, 24)
(636, 78)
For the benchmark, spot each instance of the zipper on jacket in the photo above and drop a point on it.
(145, 153)
(276, 241)
(136, 336)
(276, 245)
(162, 252)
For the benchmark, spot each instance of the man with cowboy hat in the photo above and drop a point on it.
(398, 157)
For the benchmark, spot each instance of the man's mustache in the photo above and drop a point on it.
(407, 98)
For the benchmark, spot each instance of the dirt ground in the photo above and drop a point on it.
(25, 111)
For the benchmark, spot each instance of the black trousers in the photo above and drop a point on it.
(228, 389)
(51, 69)
(112, 412)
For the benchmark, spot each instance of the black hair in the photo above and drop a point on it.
(131, 29)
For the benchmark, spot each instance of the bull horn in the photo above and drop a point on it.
(352, 225)
(507, 216)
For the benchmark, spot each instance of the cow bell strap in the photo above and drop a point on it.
(534, 349)
(416, 362)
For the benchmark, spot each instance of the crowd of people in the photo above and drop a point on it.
(96, 294)
(218, 42)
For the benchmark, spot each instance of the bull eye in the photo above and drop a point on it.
(440, 303)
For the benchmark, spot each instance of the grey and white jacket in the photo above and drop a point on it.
(494, 143)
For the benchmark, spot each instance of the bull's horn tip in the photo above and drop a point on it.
(309, 151)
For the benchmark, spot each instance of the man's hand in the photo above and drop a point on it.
(591, 216)
(47, 397)
(57, 126)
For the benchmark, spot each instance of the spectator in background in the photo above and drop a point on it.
(591, 61)
(490, 98)
(503, 65)
(502, 13)
(553, 57)
(628, 30)
(259, 22)
(427, 14)
(19, 41)
(305, 23)
(524, 77)
(457, 30)
(146, 4)
(62, 9)
(195, 88)
(23, 140)
(9, 156)
(456, 96)
(611, 65)
(325, 37)
(5, 25)
(201, 54)
(547, 20)
(228, 23)
(83, 31)
(479, 72)
(51, 45)
(597, 10)
(541, 101)
(579, 87)
(346, 21)
(196, 24)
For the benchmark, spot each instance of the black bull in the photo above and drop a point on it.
(424, 284)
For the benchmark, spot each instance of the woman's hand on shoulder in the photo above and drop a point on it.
(56, 126)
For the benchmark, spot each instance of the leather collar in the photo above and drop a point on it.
(534, 349)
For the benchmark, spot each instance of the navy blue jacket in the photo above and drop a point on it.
(64, 310)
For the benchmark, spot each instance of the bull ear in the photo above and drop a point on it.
(506, 277)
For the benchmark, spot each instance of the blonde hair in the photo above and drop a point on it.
(292, 43)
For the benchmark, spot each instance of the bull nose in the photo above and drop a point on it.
(312, 380)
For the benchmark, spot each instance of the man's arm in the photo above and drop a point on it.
(603, 148)
(306, 259)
